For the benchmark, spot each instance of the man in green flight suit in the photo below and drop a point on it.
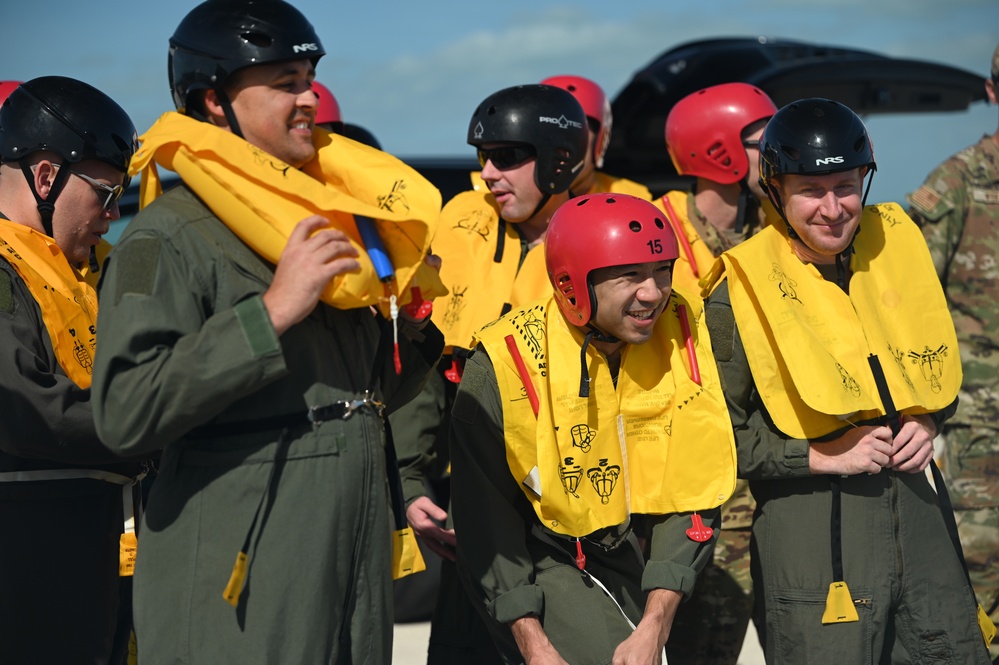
(264, 380)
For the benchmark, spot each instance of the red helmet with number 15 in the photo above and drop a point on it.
(599, 231)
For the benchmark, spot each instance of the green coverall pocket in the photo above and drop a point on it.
(796, 635)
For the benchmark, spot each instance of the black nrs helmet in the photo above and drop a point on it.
(543, 116)
(813, 137)
(219, 37)
(68, 117)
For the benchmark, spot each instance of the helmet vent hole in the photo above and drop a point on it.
(491, 111)
(860, 144)
(582, 202)
(659, 223)
(258, 39)
(610, 200)
(635, 226)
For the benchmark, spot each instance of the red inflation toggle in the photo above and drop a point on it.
(418, 308)
(698, 532)
(580, 557)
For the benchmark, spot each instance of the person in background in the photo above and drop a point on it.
(66, 502)
(531, 141)
(957, 207)
(713, 134)
(241, 342)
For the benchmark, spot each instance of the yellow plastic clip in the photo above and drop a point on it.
(988, 628)
(127, 546)
(839, 605)
(406, 556)
(235, 585)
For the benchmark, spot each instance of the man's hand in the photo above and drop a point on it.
(426, 517)
(865, 449)
(912, 449)
(645, 645)
(533, 643)
(312, 257)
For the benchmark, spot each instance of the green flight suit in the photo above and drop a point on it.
(191, 363)
(911, 595)
(513, 567)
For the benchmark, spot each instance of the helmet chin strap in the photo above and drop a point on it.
(230, 115)
(46, 207)
(584, 374)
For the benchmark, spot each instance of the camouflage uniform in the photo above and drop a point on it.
(957, 208)
(711, 625)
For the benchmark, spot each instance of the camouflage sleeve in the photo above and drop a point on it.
(939, 207)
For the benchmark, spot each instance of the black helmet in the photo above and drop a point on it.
(219, 37)
(68, 117)
(815, 137)
(543, 116)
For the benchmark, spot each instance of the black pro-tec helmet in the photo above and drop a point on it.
(543, 116)
(813, 137)
(68, 117)
(219, 37)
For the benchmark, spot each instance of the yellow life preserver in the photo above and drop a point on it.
(67, 302)
(480, 287)
(808, 342)
(656, 443)
(696, 258)
(262, 199)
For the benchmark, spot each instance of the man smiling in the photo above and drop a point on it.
(585, 421)
(840, 363)
(242, 343)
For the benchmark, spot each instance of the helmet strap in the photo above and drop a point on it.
(747, 209)
(584, 373)
(46, 207)
(867, 190)
(545, 198)
(230, 115)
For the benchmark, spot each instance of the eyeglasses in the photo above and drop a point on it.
(751, 144)
(507, 156)
(113, 193)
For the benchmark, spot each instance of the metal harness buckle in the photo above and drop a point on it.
(344, 409)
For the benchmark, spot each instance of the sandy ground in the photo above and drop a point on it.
(410, 647)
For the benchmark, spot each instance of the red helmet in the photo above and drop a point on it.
(329, 108)
(595, 105)
(7, 87)
(599, 231)
(704, 130)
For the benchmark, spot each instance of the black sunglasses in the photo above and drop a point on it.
(751, 144)
(507, 156)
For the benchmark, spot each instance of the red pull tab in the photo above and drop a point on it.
(698, 532)
(418, 308)
(580, 557)
(453, 373)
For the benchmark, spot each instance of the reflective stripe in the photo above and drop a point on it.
(76, 474)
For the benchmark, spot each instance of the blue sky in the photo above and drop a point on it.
(413, 72)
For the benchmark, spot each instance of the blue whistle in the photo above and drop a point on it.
(376, 248)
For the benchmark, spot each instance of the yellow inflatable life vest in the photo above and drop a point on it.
(656, 443)
(808, 342)
(67, 302)
(262, 199)
(468, 238)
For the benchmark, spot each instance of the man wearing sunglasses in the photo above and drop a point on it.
(64, 498)
(531, 141)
